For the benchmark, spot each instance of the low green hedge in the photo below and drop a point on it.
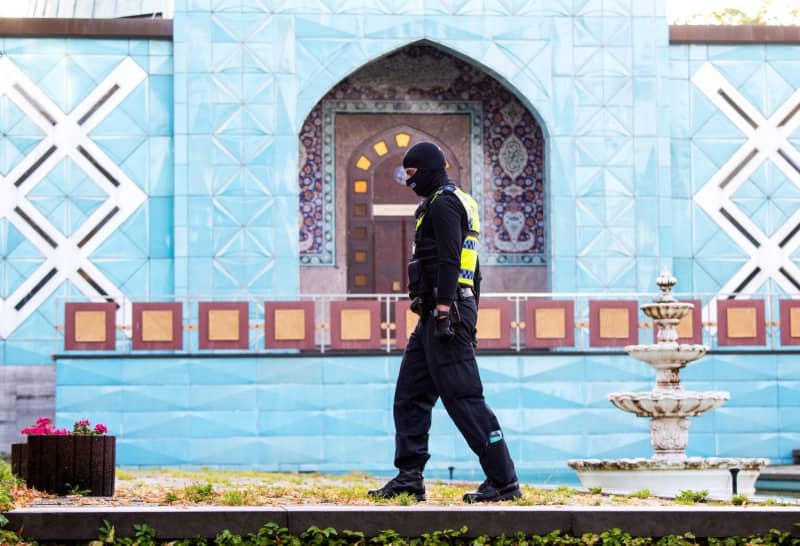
(272, 534)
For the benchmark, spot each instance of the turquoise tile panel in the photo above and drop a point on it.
(293, 450)
(290, 397)
(788, 394)
(366, 397)
(358, 422)
(552, 395)
(756, 444)
(619, 445)
(153, 424)
(152, 452)
(291, 422)
(223, 424)
(744, 367)
(89, 372)
(232, 451)
(346, 372)
(739, 420)
(147, 398)
(211, 398)
(235, 373)
(154, 372)
(75, 398)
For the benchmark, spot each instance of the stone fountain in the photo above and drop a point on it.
(669, 471)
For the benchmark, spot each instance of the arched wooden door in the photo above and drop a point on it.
(380, 210)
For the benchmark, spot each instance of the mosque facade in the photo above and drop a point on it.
(203, 234)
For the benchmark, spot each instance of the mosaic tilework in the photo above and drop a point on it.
(85, 181)
(512, 150)
(735, 154)
(317, 413)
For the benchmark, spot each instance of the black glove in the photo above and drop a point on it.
(442, 327)
(417, 306)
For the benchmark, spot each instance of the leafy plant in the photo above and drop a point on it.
(199, 492)
(641, 494)
(76, 490)
(739, 500)
(596, 490)
(144, 535)
(687, 496)
(170, 497)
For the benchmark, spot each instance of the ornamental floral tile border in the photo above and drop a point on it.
(506, 141)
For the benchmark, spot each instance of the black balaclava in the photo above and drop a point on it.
(429, 161)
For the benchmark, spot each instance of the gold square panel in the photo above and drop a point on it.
(411, 322)
(550, 323)
(741, 322)
(614, 323)
(489, 326)
(380, 148)
(290, 324)
(356, 324)
(363, 163)
(360, 186)
(90, 326)
(157, 325)
(794, 321)
(223, 325)
(686, 327)
(360, 256)
(402, 139)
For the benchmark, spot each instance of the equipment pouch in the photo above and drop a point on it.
(416, 278)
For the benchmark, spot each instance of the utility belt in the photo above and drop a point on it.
(426, 304)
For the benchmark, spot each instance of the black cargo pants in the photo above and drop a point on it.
(432, 369)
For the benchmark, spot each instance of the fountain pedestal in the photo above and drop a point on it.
(669, 407)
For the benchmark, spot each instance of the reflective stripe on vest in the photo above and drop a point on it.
(469, 247)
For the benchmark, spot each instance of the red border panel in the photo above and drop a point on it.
(697, 324)
(374, 340)
(786, 324)
(722, 322)
(70, 344)
(504, 342)
(532, 341)
(137, 343)
(269, 325)
(244, 325)
(594, 323)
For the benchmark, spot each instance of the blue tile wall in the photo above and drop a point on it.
(135, 135)
(704, 139)
(318, 413)
(264, 66)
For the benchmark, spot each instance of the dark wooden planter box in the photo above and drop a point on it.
(19, 461)
(796, 456)
(64, 464)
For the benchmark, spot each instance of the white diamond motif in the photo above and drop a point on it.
(767, 140)
(66, 135)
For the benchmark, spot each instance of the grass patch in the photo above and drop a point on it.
(7, 484)
(641, 494)
(199, 492)
(688, 496)
(124, 475)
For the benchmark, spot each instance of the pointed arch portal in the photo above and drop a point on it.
(495, 139)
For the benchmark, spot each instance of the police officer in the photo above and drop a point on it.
(439, 361)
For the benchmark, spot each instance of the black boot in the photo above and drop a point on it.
(406, 481)
(488, 492)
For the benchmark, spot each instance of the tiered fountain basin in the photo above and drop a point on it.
(677, 404)
(668, 478)
(669, 471)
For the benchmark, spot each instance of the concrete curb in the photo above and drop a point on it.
(82, 523)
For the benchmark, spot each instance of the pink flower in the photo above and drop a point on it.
(100, 428)
(82, 423)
